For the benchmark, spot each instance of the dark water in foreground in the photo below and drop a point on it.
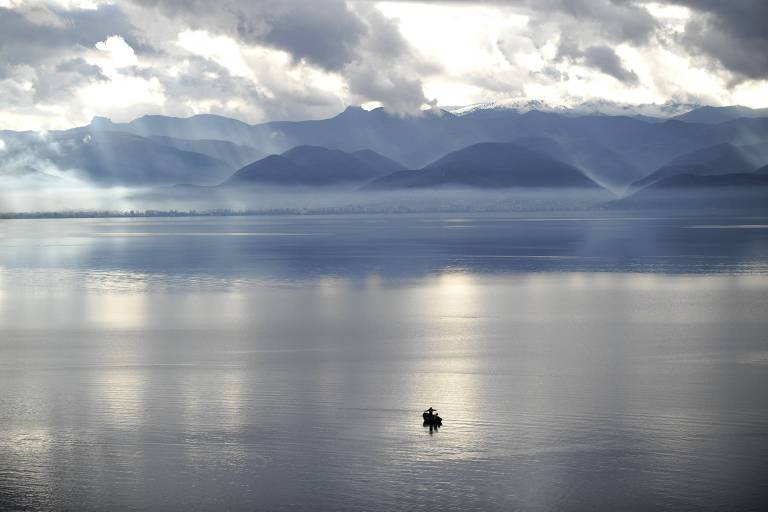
(282, 363)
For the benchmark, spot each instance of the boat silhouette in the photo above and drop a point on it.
(431, 418)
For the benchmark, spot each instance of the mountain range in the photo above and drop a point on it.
(489, 165)
(377, 150)
(314, 166)
(722, 158)
(715, 115)
(109, 158)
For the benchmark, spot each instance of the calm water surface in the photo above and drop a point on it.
(281, 363)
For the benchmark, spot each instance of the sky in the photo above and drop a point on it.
(62, 62)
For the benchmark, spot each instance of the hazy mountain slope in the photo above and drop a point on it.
(711, 181)
(688, 191)
(332, 162)
(407, 139)
(274, 170)
(490, 165)
(112, 158)
(602, 165)
(719, 159)
(117, 158)
(198, 127)
(378, 161)
(613, 150)
(415, 141)
(646, 146)
(234, 155)
(714, 115)
(742, 132)
(757, 154)
(307, 166)
(546, 145)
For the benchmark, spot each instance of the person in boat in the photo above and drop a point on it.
(430, 411)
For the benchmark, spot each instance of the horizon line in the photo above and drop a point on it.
(455, 110)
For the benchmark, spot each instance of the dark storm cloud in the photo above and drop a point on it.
(733, 33)
(79, 66)
(48, 54)
(606, 60)
(323, 32)
(617, 21)
(56, 83)
(385, 68)
(352, 38)
(326, 33)
(41, 34)
(40, 45)
(747, 18)
(602, 58)
(203, 80)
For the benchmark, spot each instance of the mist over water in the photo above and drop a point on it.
(587, 361)
(46, 194)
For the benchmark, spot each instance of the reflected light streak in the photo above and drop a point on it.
(445, 374)
(454, 294)
(112, 311)
(2, 296)
(121, 394)
(29, 444)
(231, 404)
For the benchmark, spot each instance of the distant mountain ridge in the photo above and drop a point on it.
(715, 115)
(614, 151)
(234, 155)
(596, 161)
(489, 165)
(735, 191)
(651, 112)
(416, 141)
(313, 166)
(722, 158)
(110, 158)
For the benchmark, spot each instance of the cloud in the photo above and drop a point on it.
(41, 34)
(601, 58)
(43, 51)
(612, 20)
(352, 39)
(326, 33)
(618, 21)
(733, 33)
(61, 62)
(80, 67)
(120, 53)
(386, 69)
(322, 32)
(730, 34)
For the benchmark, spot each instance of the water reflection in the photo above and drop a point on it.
(166, 373)
(111, 311)
(180, 252)
(119, 394)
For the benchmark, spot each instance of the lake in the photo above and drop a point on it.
(580, 362)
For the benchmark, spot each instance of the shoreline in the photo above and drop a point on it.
(107, 214)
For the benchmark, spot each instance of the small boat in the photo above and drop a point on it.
(430, 418)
